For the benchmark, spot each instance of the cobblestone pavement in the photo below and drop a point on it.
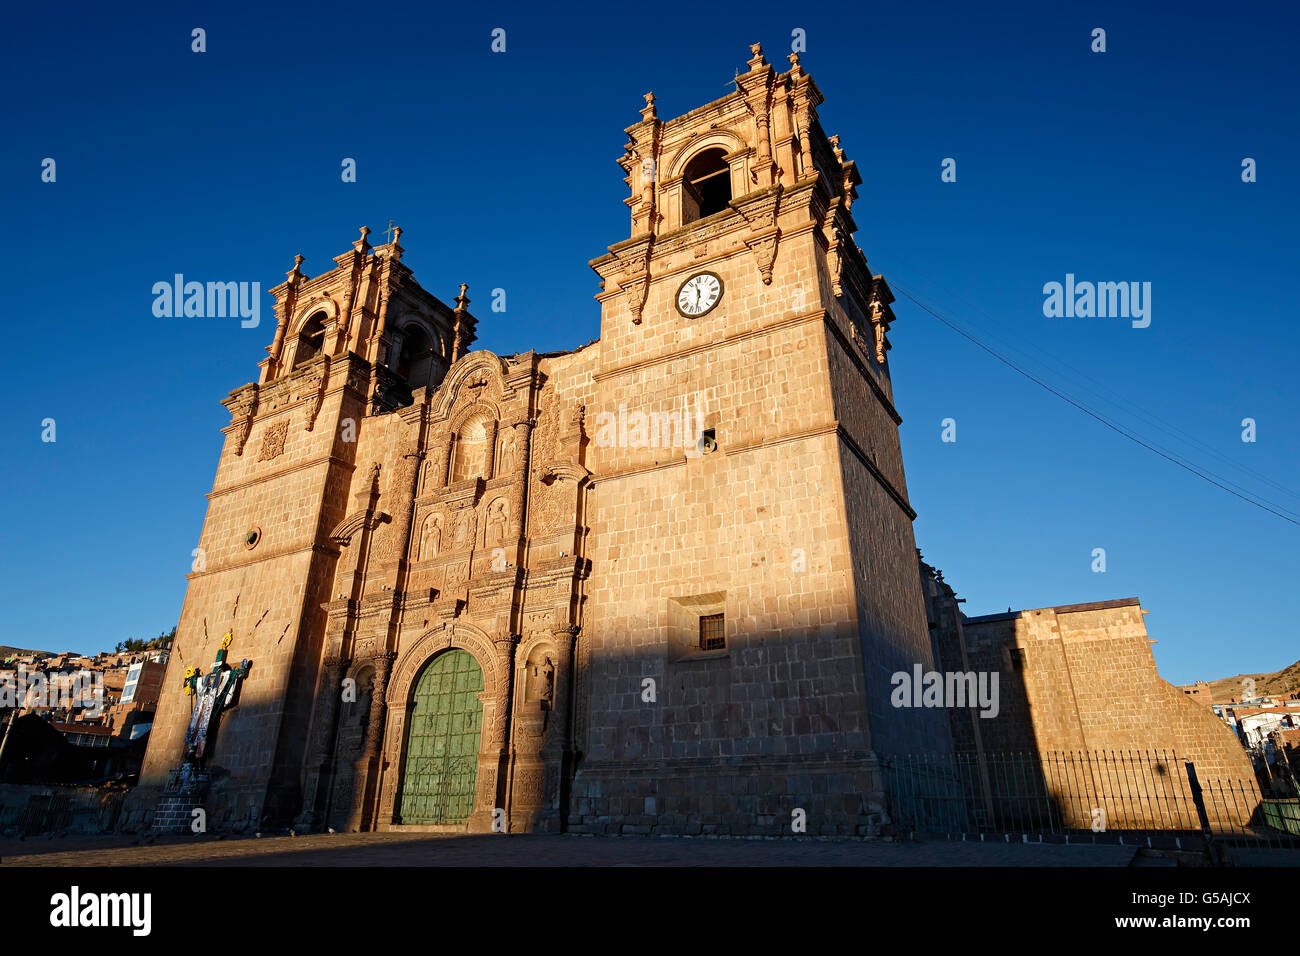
(425, 849)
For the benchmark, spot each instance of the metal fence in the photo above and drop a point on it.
(1101, 796)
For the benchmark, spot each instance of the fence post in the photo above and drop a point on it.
(1198, 798)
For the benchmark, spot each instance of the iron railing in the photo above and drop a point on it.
(1151, 796)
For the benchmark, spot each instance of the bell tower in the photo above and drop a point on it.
(352, 344)
(759, 571)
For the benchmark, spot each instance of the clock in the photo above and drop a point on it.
(699, 294)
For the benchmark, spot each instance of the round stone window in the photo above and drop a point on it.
(252, 538)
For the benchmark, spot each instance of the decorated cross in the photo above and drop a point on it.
(213, 692)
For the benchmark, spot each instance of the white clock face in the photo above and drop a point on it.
(698, 294)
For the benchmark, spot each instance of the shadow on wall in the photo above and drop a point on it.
(735, 740)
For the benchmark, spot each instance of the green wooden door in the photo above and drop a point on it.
(442, 741)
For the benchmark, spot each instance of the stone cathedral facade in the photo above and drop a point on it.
(658, 583)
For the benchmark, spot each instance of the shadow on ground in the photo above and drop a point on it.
(406, 849)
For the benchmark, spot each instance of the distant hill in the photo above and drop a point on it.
(1274, 684)
(7, 651)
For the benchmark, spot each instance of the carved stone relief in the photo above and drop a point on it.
(273, 440)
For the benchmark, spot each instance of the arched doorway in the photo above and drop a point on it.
(443, 735)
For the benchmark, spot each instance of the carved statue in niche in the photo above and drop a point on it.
(541, 682)
(464, 527)
(547, 673)
(507, 458)
(431, 537)
(497, 520)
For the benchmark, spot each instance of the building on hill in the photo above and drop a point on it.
(1200, 691)
(131, 715)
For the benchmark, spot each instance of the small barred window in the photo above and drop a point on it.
(712, 632)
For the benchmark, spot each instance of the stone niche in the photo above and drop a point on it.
(537, 697)
(684, 613)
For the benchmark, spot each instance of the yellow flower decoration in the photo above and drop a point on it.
(225, 641)
(189, 672)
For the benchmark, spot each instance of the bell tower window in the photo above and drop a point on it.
(706, 185)
(414, 357)
(310, 340)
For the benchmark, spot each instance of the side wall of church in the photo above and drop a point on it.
(890, 609)
(1086, 681)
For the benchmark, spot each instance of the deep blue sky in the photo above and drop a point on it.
(1116, 166)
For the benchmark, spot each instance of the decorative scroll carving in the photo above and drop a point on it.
(879, 312)
(402, 490)
(764, 249)
(636, 290)
(528, 786)
(273, 440)
(378, 706)
(835, 257)
(242, 407)
(312, 387)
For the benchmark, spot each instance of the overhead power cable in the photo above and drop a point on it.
(1136, 439)
(1116, 400)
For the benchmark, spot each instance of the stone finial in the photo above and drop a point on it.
(295, 275)
(462, 300)
(648, 112)
(795, 68)
(757, 60)
(362, 244)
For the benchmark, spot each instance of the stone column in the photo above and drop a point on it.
(369, 768)
(492, 760)
(378, 702)
(557, 749)
(519, 491)
(490, 455)
(317, 788)
(505, 653)
(557, 737)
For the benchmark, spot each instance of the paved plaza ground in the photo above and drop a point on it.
(426, 849)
